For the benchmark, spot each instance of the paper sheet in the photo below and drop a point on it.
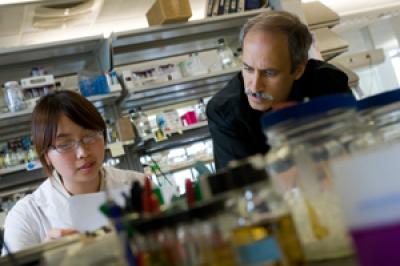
(85, 209)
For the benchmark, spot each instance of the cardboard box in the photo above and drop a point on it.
(168, 11)
(125, 129)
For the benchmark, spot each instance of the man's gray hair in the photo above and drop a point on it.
(299, 37)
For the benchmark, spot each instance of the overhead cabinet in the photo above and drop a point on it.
(320, 20)
(319, 16)
(59, 58)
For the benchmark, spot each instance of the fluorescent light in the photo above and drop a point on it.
(16, 2)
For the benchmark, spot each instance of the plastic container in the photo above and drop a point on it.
(304, 139)
(368, 182)
(189, 118)
(13, 96)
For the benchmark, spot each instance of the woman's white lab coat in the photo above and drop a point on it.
(29, 221)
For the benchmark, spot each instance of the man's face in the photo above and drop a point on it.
(267, 68)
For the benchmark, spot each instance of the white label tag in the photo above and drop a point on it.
(369, 186)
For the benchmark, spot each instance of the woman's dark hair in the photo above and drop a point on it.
(47, 113)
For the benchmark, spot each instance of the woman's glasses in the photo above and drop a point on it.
(70, 145)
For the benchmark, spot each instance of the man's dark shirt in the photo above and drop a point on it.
(235, 127)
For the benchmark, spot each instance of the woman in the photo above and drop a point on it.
(69, 137)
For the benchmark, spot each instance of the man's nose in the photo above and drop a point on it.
(256, 82)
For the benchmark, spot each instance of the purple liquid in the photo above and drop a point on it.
(378, 246)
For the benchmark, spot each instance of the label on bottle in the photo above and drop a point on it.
(262, 251)
(369, 186)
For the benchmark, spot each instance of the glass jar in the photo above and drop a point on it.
(304, 139)
(262, 229)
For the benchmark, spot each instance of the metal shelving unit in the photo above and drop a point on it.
(186, 89)
(59, 58)
(17, 124)
(177, 39)
(161, 42)
(176, 140)
(20, 177)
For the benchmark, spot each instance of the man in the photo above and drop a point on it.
(275, 70)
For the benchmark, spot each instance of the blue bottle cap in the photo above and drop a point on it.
(379, 100)
(313, 107)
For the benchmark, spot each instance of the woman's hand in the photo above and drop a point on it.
(57, 233)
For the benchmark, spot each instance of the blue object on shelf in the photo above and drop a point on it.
(95, 86)
(252, 4)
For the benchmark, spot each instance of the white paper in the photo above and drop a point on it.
(85, 209)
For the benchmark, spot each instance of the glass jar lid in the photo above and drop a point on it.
(315, 106)
(379, 100)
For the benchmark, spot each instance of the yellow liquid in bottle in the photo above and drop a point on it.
(273, 241)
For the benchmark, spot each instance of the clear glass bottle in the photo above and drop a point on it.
(13, 96)
(201, 111)
(2, 158)
(144, 123)
(7, 158)
(20, 152)
(32, 156)
(225, 54)
(304, 139)
(195, 66)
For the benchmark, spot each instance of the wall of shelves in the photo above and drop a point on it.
(121, 50)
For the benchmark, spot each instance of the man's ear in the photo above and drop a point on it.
(299, 71)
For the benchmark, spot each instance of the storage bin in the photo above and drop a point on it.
(168, 11)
